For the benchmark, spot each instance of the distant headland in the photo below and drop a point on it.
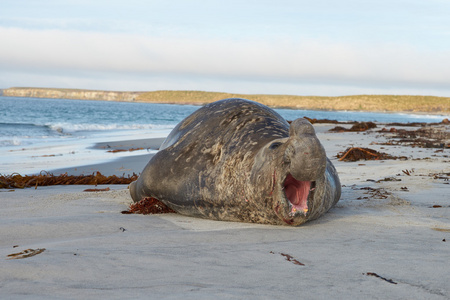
(70, 94)
(386, 103)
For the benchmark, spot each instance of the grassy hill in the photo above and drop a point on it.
(390, 103)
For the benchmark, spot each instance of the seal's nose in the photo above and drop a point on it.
(301, 127)
(306, 155)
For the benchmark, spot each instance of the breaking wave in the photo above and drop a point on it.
(22, 134)
(68, 128)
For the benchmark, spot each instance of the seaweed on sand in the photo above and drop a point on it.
(16, 180)
(147, 206)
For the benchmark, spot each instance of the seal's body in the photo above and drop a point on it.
(238, 160)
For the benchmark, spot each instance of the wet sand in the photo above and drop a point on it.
(123, 166)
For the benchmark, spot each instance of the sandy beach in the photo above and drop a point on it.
(387, 238)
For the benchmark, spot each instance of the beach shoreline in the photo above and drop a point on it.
(388, 236)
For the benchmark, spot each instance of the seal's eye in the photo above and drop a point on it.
(275, 145)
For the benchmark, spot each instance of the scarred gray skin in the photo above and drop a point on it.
(229, 161)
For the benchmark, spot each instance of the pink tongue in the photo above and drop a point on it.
(297, 192)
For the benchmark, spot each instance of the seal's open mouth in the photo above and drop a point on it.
(297, 193)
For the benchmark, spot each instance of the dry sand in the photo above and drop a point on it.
(384, 243)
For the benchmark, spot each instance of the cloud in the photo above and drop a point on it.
(107, 56)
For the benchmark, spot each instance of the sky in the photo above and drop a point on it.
(298, 47)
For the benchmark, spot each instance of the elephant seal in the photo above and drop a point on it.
(238, 160)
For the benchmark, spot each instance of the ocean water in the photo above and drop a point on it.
(44, 134)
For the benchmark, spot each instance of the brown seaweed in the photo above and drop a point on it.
(97, 190)
(374, 193)
(148, 206)
(289, 258)
(292, 259)
(15, 180)
(417, 124)
(444, 176)
(423, 137)
(381, 277)
(125, 150)
(357, 127)
(26, 253)
(358, 153)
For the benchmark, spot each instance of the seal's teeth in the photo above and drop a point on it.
(312, 189)
(294, 210)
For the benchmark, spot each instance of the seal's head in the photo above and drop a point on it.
(297, 166)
